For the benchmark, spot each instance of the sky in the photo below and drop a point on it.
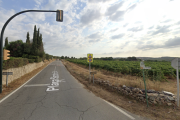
(105, 28)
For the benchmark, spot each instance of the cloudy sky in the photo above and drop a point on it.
(106, 28)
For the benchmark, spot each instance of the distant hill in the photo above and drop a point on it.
(118, 57)
(166, 58)
(158, 59)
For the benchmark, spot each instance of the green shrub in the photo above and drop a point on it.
(31, 60)
(12, 58)
(16, 48)
(25, 56)
(14, 62)
(31, 57)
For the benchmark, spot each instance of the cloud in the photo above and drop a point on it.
(149, 47)
(166, 21)
(135, 29)
(161, 29)
(125, 24)
(94, 41)
(110, 53)
(89, 16)
(112, 9)
(38, 2)
(178, 23)
(94, 36)
(38, 16)
(65, 5)
(137, 22)
(117, 16)
(132, 7)
(113, 12)
(151, 27)
(123, 45)
(67, 19)
(113, 30)
(95, 1)
(117, 36)
(171, 43)
(175, 42)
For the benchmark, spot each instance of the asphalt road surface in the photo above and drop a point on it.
(54, 94)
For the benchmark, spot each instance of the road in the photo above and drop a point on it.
(54, 94)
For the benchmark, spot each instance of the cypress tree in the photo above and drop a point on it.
(38, 40)
(34, 44)
(41, 48)
(28, 38)
(6, 42)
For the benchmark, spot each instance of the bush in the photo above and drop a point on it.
(32, 57)
(25, 56)
(36, 58)
(14, 62)
(31, 60)
(27, 48)
(16, 48)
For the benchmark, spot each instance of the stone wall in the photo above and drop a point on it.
(154, 97)
(20, 71)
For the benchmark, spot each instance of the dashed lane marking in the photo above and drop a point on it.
(36, 85)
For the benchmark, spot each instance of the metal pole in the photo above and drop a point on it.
(6, 80)
(177, 83)
(89, 72)
(1, 39)
(145, 88)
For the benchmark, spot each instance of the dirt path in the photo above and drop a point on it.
(154, 112)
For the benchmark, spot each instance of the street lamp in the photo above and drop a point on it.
(59, 18)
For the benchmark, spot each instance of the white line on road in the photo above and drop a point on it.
(36, 85)
(120, 110)
(20, 87)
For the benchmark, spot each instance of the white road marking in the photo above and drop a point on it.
(120, 110)
(36, 85)
(55, 81)
(20, 87)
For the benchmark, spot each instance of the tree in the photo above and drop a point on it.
(47, 56)
(27, 48)
(134, 58)
(34, 50)
(6, 42)
(16, 48)
(38, 44)
(28, 38)
(62, 57)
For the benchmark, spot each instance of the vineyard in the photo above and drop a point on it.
(159, 71)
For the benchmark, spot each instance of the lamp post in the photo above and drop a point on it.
(59, 18)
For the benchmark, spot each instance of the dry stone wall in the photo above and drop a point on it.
(154, 97)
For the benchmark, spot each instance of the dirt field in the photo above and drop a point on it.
(155, 112)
